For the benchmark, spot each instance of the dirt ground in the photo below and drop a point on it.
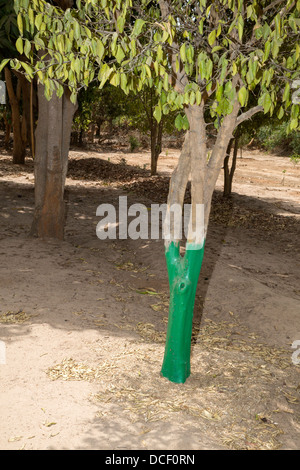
(84, 321)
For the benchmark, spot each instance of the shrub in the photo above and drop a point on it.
(273, 137)
(134, 143)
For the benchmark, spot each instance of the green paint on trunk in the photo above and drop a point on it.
(183, 279)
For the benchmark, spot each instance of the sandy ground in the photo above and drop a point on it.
(83, 321)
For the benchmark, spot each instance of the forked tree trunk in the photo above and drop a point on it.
(184, 271)
(53, 135)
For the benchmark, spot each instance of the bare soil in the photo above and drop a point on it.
(84, 320)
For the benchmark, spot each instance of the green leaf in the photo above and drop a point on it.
(286, 92)
(27, 69)
(19, 45)
(293, 124)
(133, 48)
(115, 79)
(179, 122)
(120, 54)
(166, 82)
(280, 113)
(267, 102)
(99, 49)
(39, 20)
(186, 124)
(275, 48)
(3, 64)
(243, 95)
(157, 112)
(123, 82)
(138, 26)
(240, 27)
(121, 24)
(183, 52)
(104, 74)
(212, 37)
(27, 48)
(249, 11)
(198, 97)
(20, 23)
(192, 98)
(216, 49)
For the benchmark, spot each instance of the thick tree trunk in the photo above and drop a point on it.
(184, 271)
(18, 144)
(183, 275)
(53, 135)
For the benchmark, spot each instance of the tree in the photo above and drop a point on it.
(18, 88)
(140, 108)
(229, 172)
(96, 107)
(52, 137)
(207, 57)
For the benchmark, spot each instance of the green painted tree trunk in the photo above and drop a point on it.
(183, 274)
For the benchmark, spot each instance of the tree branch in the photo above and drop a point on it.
(272, 5)
(248, 114)
(179, 77)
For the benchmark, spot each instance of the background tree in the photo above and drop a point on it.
(53, 131)
(207, 57)
(18, 88)
(140, 108)
(112, 107)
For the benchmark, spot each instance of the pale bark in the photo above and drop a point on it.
(178, 183)
(198, 152)
(248, 114)
(51, 162)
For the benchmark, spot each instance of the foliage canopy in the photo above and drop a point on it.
(190, 51)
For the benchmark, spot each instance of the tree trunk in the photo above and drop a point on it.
(18, 144)
(26, 116)
(156, 143)
(53, 135)
(183, 275)
(7, 130)
(227, 189)
(184, 271)
(229, 173)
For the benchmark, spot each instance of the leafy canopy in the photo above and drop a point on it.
(9, 31)
(190, 51)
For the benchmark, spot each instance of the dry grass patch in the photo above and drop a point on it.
(240, 390)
